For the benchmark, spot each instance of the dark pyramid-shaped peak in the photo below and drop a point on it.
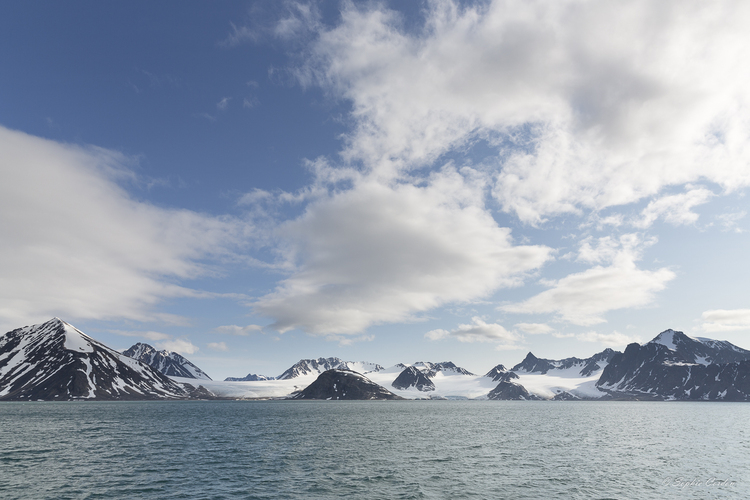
(412, 377)
(533, 364)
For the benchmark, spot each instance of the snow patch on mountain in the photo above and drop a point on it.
(75, 339)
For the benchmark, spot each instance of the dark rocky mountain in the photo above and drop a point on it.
(169, 363)
(532, 364)
(701, 350)
(413, 377)
(250, 377)
(311, 366)
(507, 390)
(672, 366)
(56, 361)
(344, 384)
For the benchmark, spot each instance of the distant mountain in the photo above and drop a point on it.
(311, 366)
(507, 390)
(169, 363)
(675, 366)
(250, 377)
(445, 367)
(344, 384)
(56, 361)
(413, 377)
(500, 374)
(532, 364)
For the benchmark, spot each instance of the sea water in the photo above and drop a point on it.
(374, 450)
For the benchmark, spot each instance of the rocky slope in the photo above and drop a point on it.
(56, 361)
(169, 363)
(674, 366)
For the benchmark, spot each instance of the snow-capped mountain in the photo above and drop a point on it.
(585, 367)
(169, 363)
(675, 366)
(444, 367)
(316, 366)
(250, 377)
(56, 361)
(701, 350)
(550, 379)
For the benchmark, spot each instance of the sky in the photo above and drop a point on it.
(250, 183)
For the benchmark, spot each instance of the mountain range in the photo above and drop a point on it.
(56, 361)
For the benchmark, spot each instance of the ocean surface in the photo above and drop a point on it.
(374, 450)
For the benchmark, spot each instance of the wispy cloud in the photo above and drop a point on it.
(726, 320)
(238, 330)
(218, 346)
(614, 339)
(76, 245)
(223, 103)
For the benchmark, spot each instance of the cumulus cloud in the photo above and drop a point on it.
(477, 331)
(726, 320)
(381, 252)
(588, 105)
(76, 245)
(614, 339)
(583, 298)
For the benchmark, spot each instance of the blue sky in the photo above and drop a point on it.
(251, 183)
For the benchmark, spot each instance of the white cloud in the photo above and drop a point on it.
(77, 246)
(729, 221)
(614, 339)
(182, 346)
(535, 328)
(240, 35)
(675, 209)
(381, 252)
(223, 104)
(238, 330)
(589, 105)
(582, 298)
(149, 335)
(477, 331)
(726, 320)
(218, 346)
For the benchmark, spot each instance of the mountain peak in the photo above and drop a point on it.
(169, 363)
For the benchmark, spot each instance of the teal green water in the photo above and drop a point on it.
(374, 450)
